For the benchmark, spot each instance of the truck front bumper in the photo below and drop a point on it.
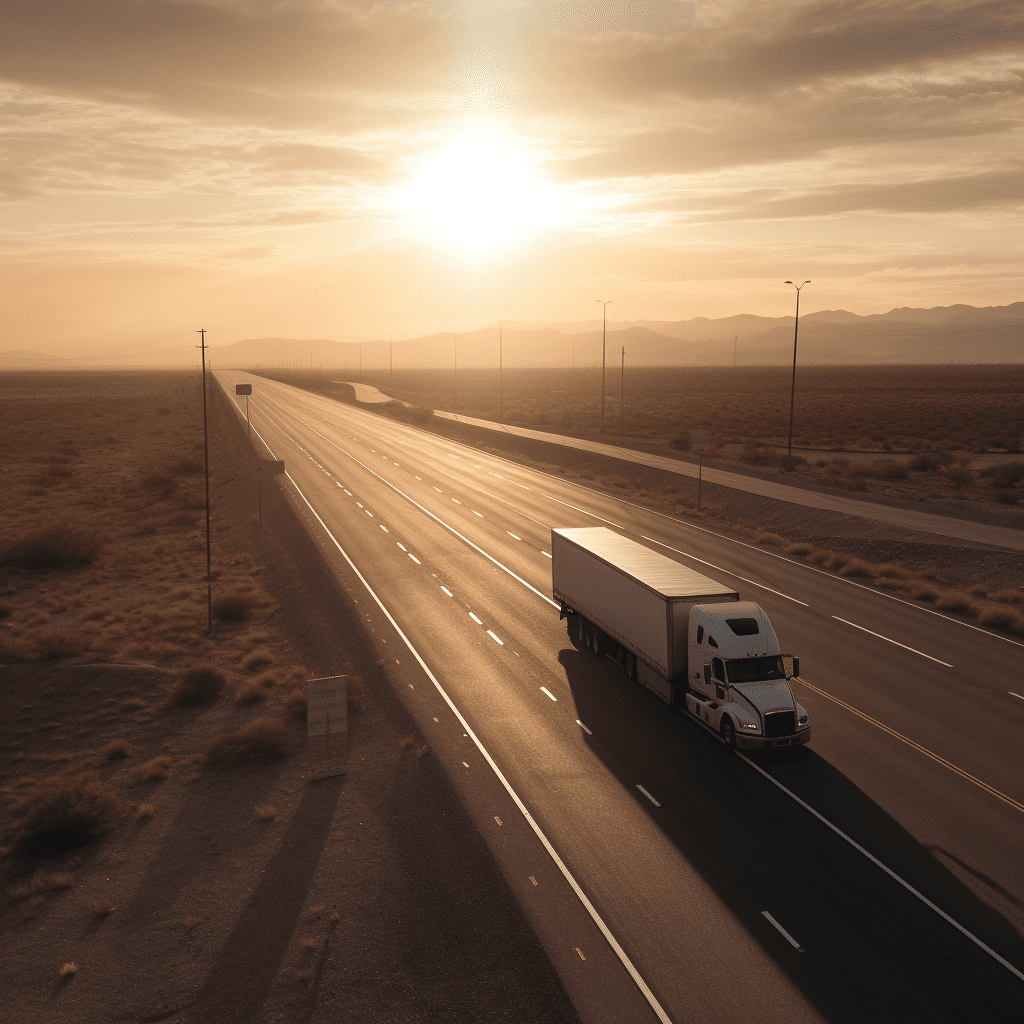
(748, 742)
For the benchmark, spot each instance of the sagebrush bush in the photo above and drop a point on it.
(117, 750)
(234, 606)
(294, 703)
(252, 691)
(1007, 474)
(956, 601)
(156, 769)
(197, 687)
(259, 658)
(261, 741)
(64, 812)
(53, 547)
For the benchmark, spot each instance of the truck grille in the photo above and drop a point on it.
(779, 723)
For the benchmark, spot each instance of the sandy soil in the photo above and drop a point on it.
(247, 894)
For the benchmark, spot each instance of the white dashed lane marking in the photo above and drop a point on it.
(414, 558)
(447, 591)
(495, 638)
(544, 689)
(512, 535)
(648, 795)
(475, 619)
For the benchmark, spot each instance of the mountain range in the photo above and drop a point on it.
(942, 334)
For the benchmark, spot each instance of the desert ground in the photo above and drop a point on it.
(164, 853)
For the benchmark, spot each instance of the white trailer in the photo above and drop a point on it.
(682, 635)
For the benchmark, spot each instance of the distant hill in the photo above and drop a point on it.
(943, 334)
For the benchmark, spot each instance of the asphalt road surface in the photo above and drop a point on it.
(873, 876)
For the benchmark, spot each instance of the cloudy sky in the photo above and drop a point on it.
(357, 169)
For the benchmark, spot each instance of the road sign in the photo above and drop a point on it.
(327, 726)
(243, 389)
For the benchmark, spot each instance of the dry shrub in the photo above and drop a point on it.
(1008, 596)
(68, 970)
(819, 556)
(251, 692)
(924, 592)
(771, 540)
(156, 769)
(406, 741)
(978, 590)
(133, 704)
(895, 571)
(958, 476)
(42, 645)
(956, 601)
(857, 567)
(161, 484)
(102, 908)
(117, 750)
(234, 606)
(799, 549)
(197, 686)
(43, 882)
(146, 810)
(756, 455)
(259, 658)
(261, 741)
(191, 466)
(266, 812)
(66, 811)
(1007, 474)
(294, 703)
(1001, 618)
(53, 547)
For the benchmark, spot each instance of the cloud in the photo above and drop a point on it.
(265, 62)
(770, 51)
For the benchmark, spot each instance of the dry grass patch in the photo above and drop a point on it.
(294, 704)
(198, 686)
(234, 607)
(103, 908)
(1008, 596)
(43, 882)
(266, 812)
(191, 922)
(259, 658)
(144, 811)
(117, 750)
(261, 741)
(252, 691)
(53, 547)
(155, 770)
(66, 811)
(956, 601)
(799, 549)
(68, 970)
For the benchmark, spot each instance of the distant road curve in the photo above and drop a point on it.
(924, 522)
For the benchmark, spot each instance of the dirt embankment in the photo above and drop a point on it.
(215, 882)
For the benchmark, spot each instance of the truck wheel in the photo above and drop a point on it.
(728, 732)
(574, 628)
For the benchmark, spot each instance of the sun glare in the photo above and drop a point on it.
(478, 192)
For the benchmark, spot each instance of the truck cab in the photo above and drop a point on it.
(737, 683)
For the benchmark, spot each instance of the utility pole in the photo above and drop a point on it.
(206, 451)
(604, 340)
(792, 389)
(391, 353)
(501, 380)
(455, 338)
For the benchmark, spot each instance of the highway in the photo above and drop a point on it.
(873, 876)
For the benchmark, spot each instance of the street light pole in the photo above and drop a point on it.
(206, 454)
(501, 379)
(792, 388)
(622, 400)
(604, 340)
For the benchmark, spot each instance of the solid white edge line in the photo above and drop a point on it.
(648, 795)
(727, 571)
(552, 853)
(782, 931)
(892, 874)
(1012, 694)
(546, 554)
(913, 650)
(549, 693)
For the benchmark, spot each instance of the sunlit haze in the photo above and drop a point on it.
(346, 170)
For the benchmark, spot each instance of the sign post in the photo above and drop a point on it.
(245, 389)
(327, 726)
(697, 439)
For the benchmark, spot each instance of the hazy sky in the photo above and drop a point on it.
(346, 168)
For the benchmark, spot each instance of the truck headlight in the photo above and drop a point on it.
(752, 726)
(802, 721)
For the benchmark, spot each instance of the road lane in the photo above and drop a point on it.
(537, 562)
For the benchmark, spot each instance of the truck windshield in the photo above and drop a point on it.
(753, 670)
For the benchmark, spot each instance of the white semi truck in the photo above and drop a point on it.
(684, 636)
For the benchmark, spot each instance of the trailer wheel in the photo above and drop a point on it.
(631, 666)
(728, 732)
(574, 627)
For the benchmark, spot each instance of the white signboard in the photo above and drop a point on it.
(327, 725)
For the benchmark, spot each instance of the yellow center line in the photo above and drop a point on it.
(1015, 804)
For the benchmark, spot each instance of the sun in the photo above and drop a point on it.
(478, 192)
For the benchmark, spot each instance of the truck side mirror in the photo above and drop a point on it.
(707, 674)
(796, 667)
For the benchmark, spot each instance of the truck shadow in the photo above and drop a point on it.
(874, 951)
